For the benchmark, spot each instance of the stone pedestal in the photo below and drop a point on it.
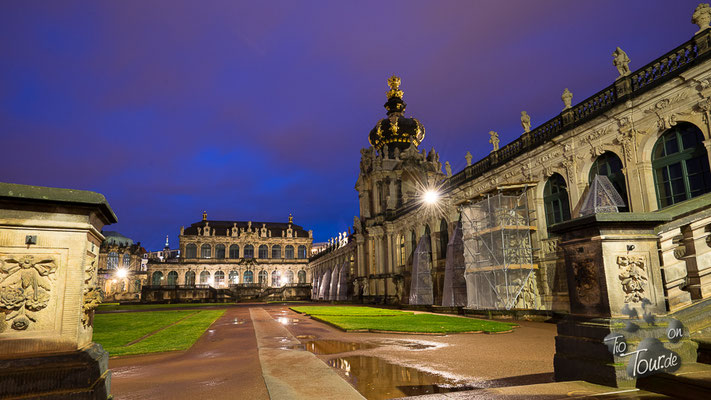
(49, 245)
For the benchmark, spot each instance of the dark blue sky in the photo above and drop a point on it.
(252, 110)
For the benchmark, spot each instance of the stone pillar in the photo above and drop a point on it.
(613, 272)
(389, 252)
(360, 256)
(49, 247)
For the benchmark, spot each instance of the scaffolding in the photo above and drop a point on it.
(500, 273)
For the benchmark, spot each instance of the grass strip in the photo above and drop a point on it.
(180, 336)
(422, 323)
(117, 330)
(348, 311)
(132, 307)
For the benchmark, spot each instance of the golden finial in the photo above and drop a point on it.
(394, 83)
(204, 215)
(291, 219)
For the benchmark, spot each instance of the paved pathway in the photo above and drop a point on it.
(223, 364)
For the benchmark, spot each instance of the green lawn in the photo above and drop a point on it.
(115, 331)
(426, 323)
(130, 307)
(348, 310)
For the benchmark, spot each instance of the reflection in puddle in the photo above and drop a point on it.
(305, 337)
(375, 378)
(238, 321)
(287, 321)
(320, 347)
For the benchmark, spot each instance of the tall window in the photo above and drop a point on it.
(402, 249)
(190, 278)
(262, 278)
(249, 251)
(234, 277)
(443, 239)
(205, 251)
(112, 260)
(191, 250)
(204, 277)
(219, 278)
(610, 165)
(555, 199)
(157, 279)
(234, 251)
(263, 251)
(289, 252)
(276, 251)
(301, 275)
(248, 277)
(275, 278)
(289, 277)
(681, 165)
(301, 251)
(220, 251)
(172, 278)
(126, 260)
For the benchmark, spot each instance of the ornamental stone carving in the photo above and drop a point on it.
(567, 98)
(468, 157)
(702, 16)
(525, 122)
(586, 285)
(665, 118)
(92, 296)
(633, 277)
(25, 286)
(494, 140)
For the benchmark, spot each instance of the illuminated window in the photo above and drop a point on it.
(205, 251)
(249, 251)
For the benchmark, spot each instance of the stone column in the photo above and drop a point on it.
(49, 247)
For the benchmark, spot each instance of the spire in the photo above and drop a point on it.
(291, 219)
(166, 242)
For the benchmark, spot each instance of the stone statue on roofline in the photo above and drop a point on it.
(448, 168)
(702, 16)
(494, 140)
(525, 122)
(567, 98)
(468, 157)
(621, 61)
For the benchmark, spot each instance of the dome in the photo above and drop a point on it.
(396, 131)
(115, 238)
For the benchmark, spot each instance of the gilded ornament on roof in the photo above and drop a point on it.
(394, 83)
(394, 127)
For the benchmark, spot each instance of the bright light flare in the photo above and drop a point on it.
(121, 273)
(431, 197)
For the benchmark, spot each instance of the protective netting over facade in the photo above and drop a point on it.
(455, 286)
(421, 286)
(500, 273)
(342, 292)
(602, 197)
(325, 286)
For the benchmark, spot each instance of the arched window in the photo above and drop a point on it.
(403, 252)
(126, 260)
(172, 278)
(302, 276)
(263, 251)
(249, 251)
(276, 251)
(219, 278)
(234, 277)
(191, 251)
(157, 279)
(262, 278)
(555, 200)
(289, 252)
(205, 251)
(248, 277)
(234, 251)
(681, 165)
(301, 251)
(112, 260)
(275, 278)
(610, 165)
(190, 278)
(204, 277)
(443, 239)
(289, 277)
(220, 251)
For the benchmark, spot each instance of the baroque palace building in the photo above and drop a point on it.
(648, 132)
(221, 254)
(122, 267)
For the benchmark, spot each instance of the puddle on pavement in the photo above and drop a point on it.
(305, 337)
(410, 345)
(238, 321)
(322, 347)
(377, 379)
(287, 321)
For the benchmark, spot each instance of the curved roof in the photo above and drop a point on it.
(115, 238)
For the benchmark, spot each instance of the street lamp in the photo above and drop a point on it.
(121, 273)
(431, 197)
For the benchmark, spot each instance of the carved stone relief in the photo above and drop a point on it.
(25, 285)
(586, 284)
(633, 277)
(92, 295)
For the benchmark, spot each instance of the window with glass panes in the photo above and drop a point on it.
(610, 165)
(555, 200)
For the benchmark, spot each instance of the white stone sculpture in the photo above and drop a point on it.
(494, 140)
(525, 122)
(468, 157)
(702, 16)
(567, 98)
(621, 61)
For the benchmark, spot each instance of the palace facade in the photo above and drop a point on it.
(221, 254)
(122, 270)
(648, 133)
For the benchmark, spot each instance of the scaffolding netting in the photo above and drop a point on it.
(500, 273)
(325, 286)
(334, 284)
(602, 197)
(421, 285)
(342, 292)
(455, 286)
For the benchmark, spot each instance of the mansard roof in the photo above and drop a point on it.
(221, 227)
